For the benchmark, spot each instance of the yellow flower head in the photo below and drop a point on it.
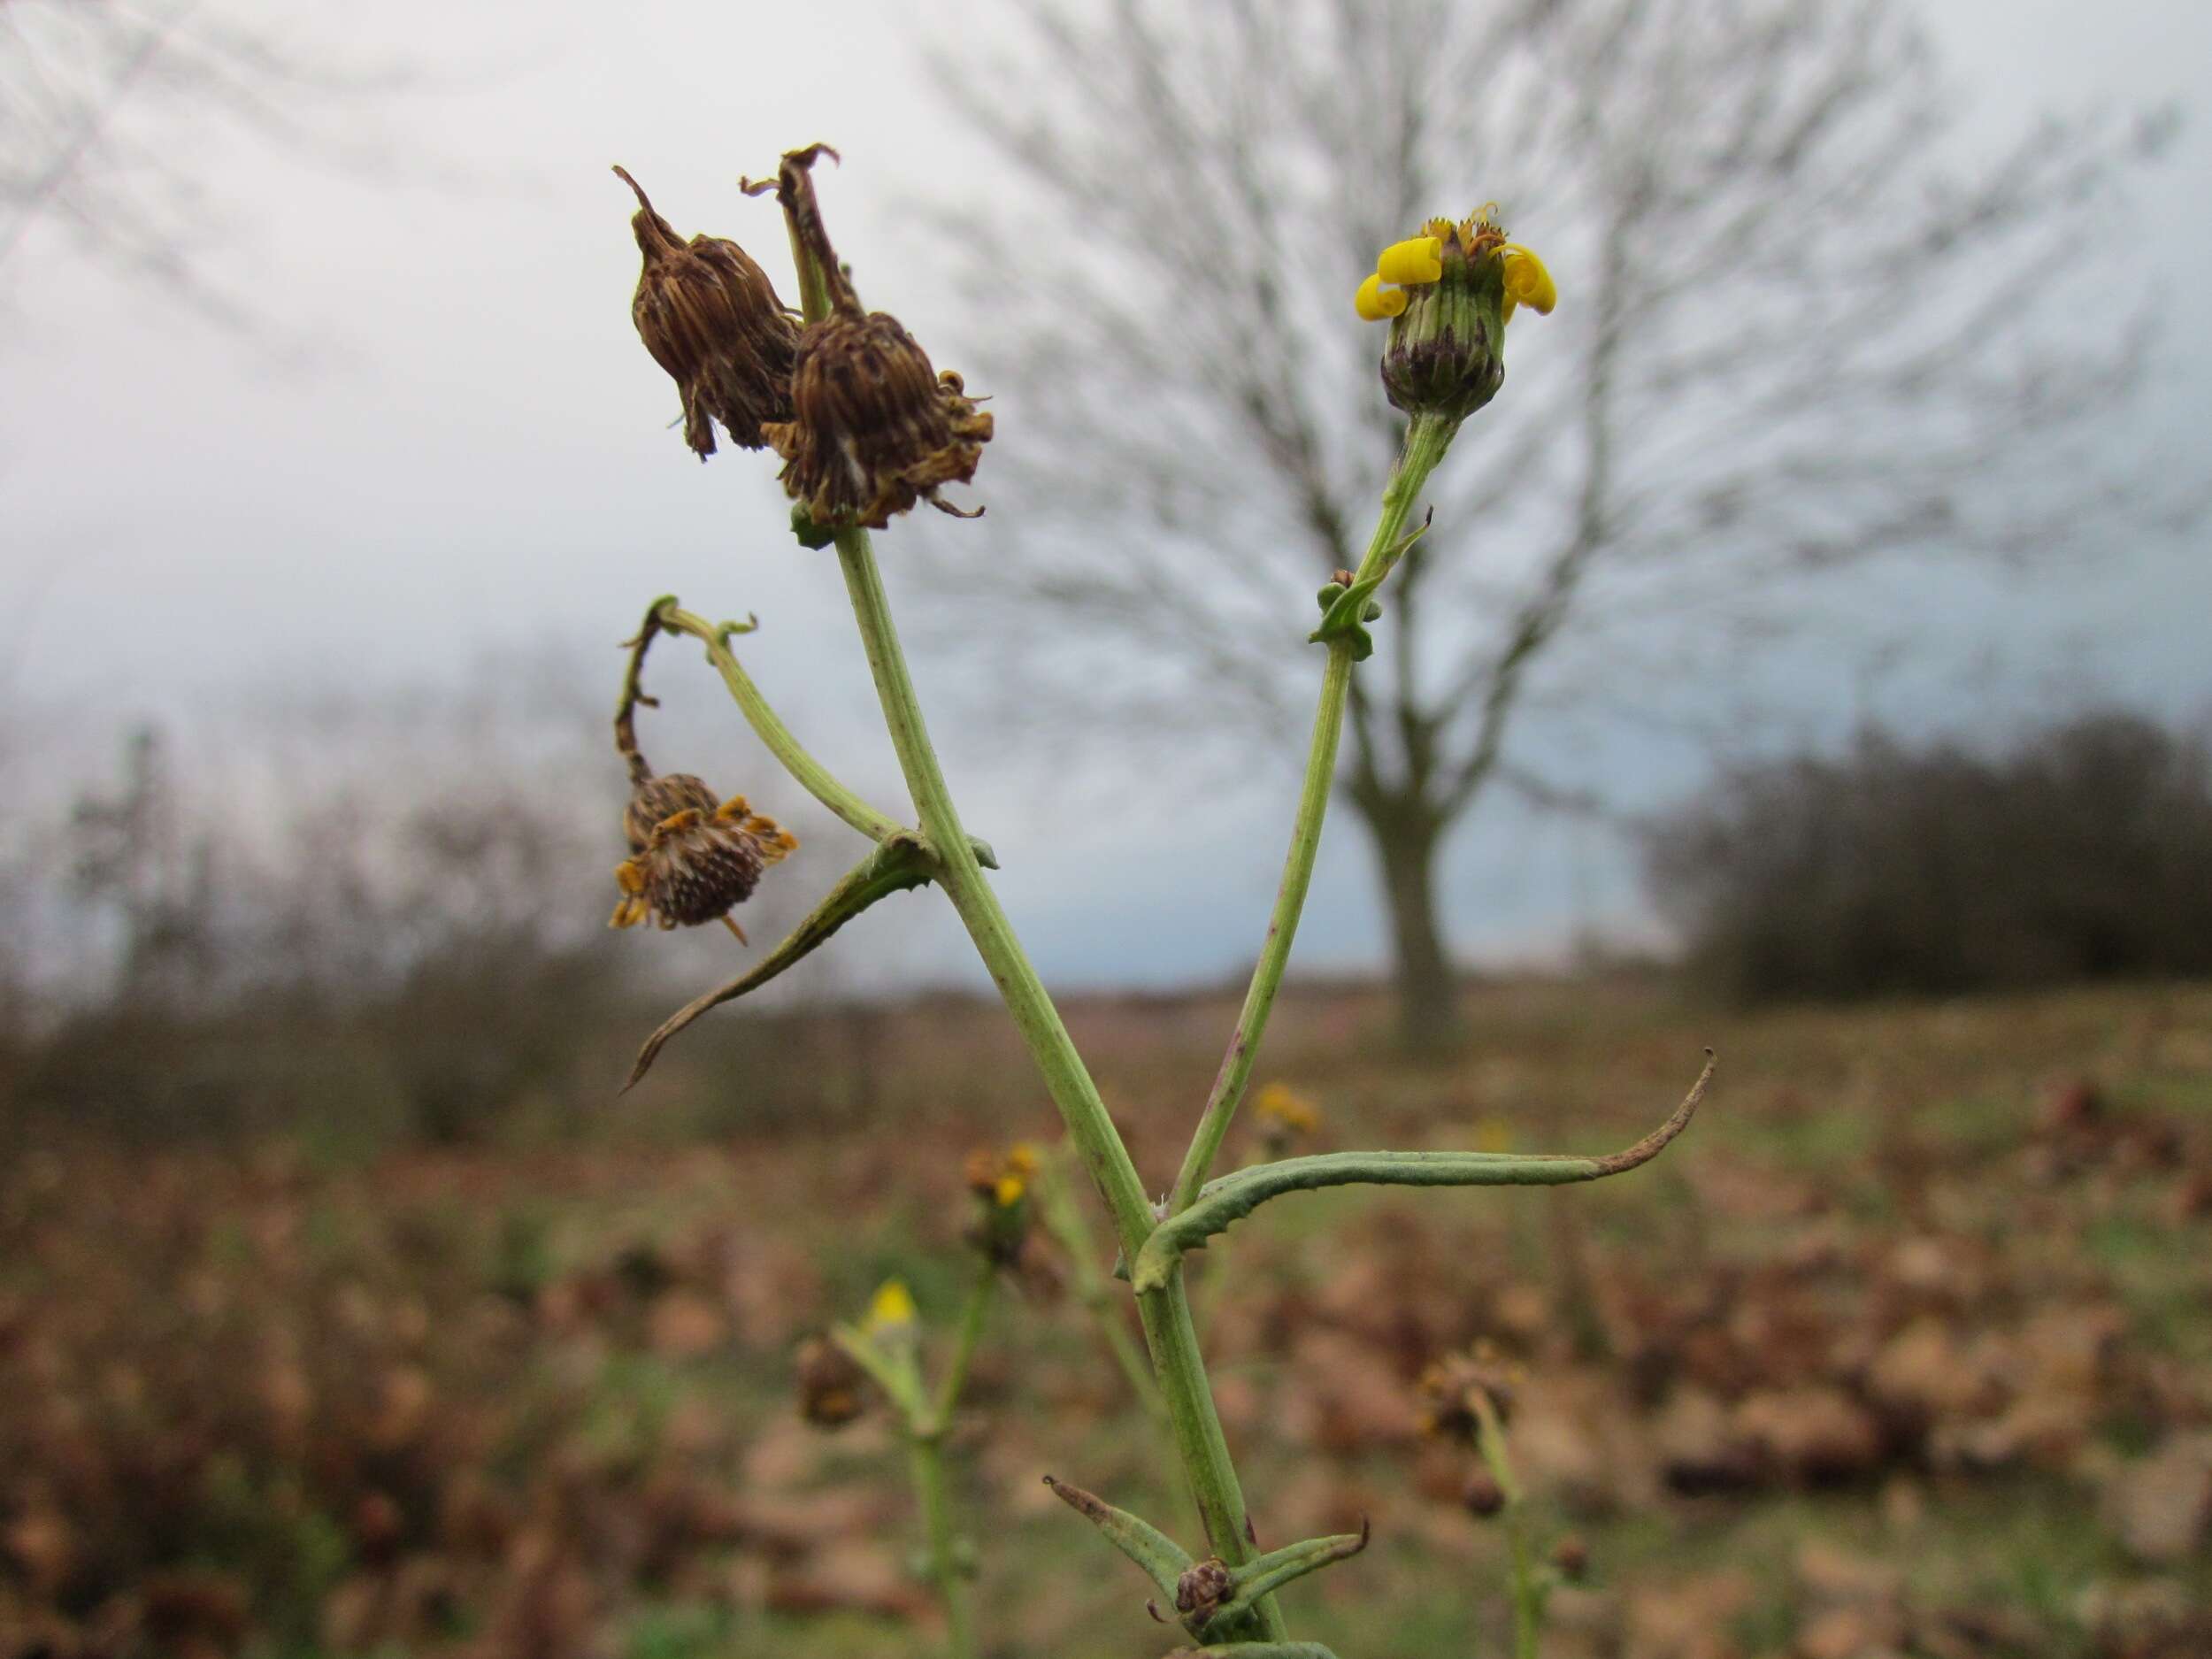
(1449, 292)
(1002, 1179)
(1282, 1108)
(1418, 261)
(891, 1309)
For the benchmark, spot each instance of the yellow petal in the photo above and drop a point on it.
(893, 1305)
(1009, 1191)
(1527, 282)
(1415, 260)
(1375, 303)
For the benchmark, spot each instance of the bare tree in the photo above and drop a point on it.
(1803, 327)
(97, 98)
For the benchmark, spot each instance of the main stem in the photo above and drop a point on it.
(1427, 437)
(1176, 1359)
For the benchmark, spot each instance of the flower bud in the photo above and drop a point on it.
(892, 1321)
(1482, 1496)
(1449, 292)
(1572, 1557)
(1204, 1586)
(691, 860)
(1001, 1183)
(710, 317)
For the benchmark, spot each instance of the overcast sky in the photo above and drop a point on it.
(447, 440)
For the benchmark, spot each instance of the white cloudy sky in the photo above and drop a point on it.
(448, 440)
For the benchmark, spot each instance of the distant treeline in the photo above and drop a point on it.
(2083, 852)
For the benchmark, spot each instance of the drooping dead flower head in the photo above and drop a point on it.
(830, 1384)
(691, 860)
(874, 428)
(710, 317)
(1460, 1389)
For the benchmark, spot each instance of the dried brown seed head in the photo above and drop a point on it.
(829, 1383)
(710, 317)
(874, 428)
(692, 861)
(1482, 1496)
(1572, 1557)
(1456, 1388)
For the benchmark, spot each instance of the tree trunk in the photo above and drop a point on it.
(1428, 1008)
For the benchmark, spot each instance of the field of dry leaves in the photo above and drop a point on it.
(1905, 1349)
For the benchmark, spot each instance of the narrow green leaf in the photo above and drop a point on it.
(1162, 1558)
(896, 1373)
(895, 866)
(1270, 1572)
(1232, 1197)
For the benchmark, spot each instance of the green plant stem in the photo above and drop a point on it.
(926, 1457)
(1527, 1590)
(1063, 1219)
(1427, 437)
(1176, 1359)
(971, 1318)
(812, 776)
(1089, 1124)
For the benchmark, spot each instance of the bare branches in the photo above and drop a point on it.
(1804, 327)
(94, 98)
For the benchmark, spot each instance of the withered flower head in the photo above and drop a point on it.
(1482, 1495)
(829, 1383)
(710, 317)
(1458, 1389)
(691, 860)
(874, 428)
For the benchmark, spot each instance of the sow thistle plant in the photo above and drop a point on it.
(867, 428)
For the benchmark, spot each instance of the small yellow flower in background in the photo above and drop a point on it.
(1280, 1106)
(1003, 1178)
(1494, 1134)
(1001, 1182)
(891, 1309)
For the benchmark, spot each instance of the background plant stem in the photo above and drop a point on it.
(1528, 1591)
(926, 1457)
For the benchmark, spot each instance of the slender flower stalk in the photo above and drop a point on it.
(925, 1463)
(1530, 1591)
(1427, 437)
